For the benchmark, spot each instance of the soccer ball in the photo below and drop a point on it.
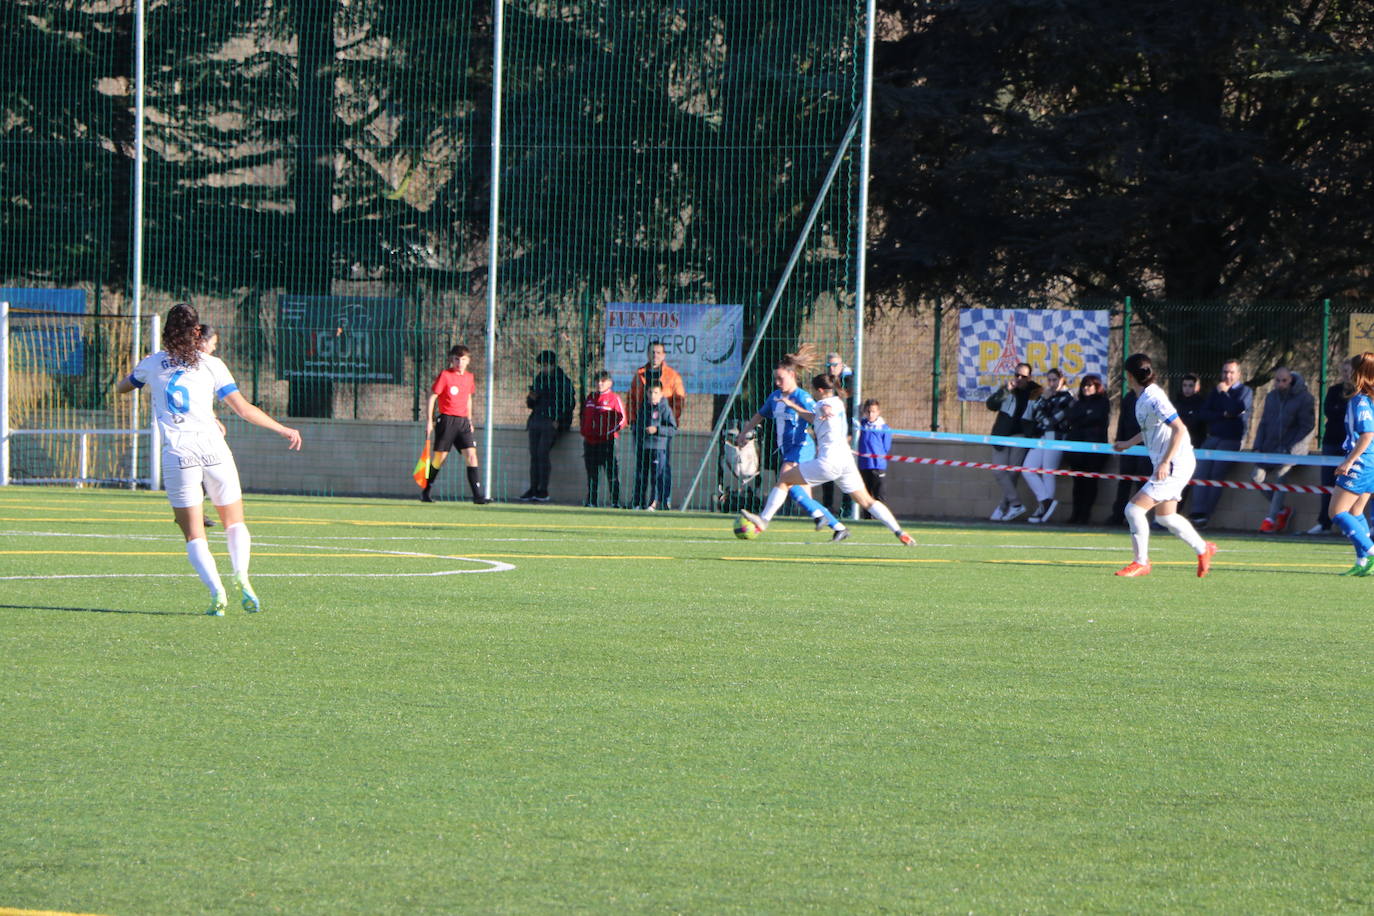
(745, 529)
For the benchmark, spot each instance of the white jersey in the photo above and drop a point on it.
(1154, 412)
(832, 430)
(183, 401)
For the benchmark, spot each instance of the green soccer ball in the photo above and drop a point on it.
(745, 529)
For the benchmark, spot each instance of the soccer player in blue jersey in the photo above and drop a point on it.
(1355, 475)
(183, 382)
(1171, 450)
(794, 442)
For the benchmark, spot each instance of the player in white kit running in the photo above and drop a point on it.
(1171, 450)
(184, 382)
(834, 461)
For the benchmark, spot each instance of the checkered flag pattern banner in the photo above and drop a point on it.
(993, 341)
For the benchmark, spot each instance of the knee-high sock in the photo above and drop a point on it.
(812, 507)
(776, 497)
(1140, 533)
(1357, 533)
(475, 484)
(883, 514)
(433, 473)
(198, 552)
(1363, 522)
(1185, 530)
(240, 546)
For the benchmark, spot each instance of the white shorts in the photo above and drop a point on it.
(1171, 487)
(185, 473)
(846, 476)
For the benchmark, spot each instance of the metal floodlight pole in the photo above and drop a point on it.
(861, 255)
(773, 302)
(4, 394)
(140, 40)
(493, 233)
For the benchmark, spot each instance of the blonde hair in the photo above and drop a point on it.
(797, 363)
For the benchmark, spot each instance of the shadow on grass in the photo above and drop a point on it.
(95, 610)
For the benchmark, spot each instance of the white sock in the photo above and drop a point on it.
(1185, 530)
(1140, 533)
(198, 552)
(776, 497)
(883, 514)
(240, 546)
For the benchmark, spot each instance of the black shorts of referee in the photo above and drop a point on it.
(452, 432)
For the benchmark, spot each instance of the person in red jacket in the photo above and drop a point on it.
(603, 417)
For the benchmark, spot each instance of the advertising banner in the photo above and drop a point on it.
(993, 341)
(341, 338)
(47, 342)
(703, 343)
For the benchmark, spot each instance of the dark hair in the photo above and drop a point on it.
(207, 331)
(1055, 370)
(1191, 377)
(546, 358)
(459, 350)
(871, 402)
(603, 375)
(656, 383)
(1027, 365)
(654, 343)
(181, 334)
(1092, 378)
(1138, 367)
(826, 381)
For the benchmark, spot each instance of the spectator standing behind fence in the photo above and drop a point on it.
(1333, 441)
(654, 429)
(875, 441)
(1227, 412)
(656, 368)
(452, 392)
(603, 417)
(551, 400)
(1189, 405)
(1010, 401)
(1048, 420)
(1286, 426)
(1127, 427)
(1087, 421)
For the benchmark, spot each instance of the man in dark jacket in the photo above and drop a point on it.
(551, 400)
(1010, 401)
(1285, 426)
(1227, 412)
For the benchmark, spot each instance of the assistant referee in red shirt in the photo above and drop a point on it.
(452, 390)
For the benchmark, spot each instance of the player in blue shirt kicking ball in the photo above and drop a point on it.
(794, 442)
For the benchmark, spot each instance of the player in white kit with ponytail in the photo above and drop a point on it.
(183, 383)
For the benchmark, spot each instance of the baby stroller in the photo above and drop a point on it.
(738, 485)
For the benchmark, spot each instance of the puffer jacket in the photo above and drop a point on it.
(1288, 420)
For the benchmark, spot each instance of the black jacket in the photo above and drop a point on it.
(1088, 418)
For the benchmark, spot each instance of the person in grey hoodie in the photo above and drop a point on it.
(1285, 426)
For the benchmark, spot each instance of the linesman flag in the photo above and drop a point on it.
(421, 473)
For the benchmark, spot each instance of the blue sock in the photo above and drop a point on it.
(1356, 531)
(812, 507)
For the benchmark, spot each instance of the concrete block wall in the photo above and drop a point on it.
(375, 458)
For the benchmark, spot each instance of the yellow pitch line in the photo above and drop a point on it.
(7, 911)
(833, 560)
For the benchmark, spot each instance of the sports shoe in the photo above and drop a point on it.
(999, 513)
(1204, 559)
(1015, 510)
(1038, 515)
(1267, 526)
(820, 522)
(526, 497)
(759, 523)
(1200, 521)
(425, 497)
(1359, 569)
(1281, 520)
(1133, 570)
(249, 601)
(209, 522)
(906, 539)
(1366, 570)
(841, 534)
(1316, 529)
(217, 605)
(485, 500)
(1050, 509)
(541, 497)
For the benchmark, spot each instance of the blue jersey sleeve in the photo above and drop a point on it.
(1364, 416)
(803, 397)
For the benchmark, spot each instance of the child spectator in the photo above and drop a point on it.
(603, 417)
(654, 428)
(875, 438)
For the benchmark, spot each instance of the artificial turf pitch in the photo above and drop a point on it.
(638, 712)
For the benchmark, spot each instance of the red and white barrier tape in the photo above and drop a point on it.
(986, 466)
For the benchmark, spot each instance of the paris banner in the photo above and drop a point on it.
(993, 341)
(702, 342)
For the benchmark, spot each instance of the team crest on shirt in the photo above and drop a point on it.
(453, 390)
